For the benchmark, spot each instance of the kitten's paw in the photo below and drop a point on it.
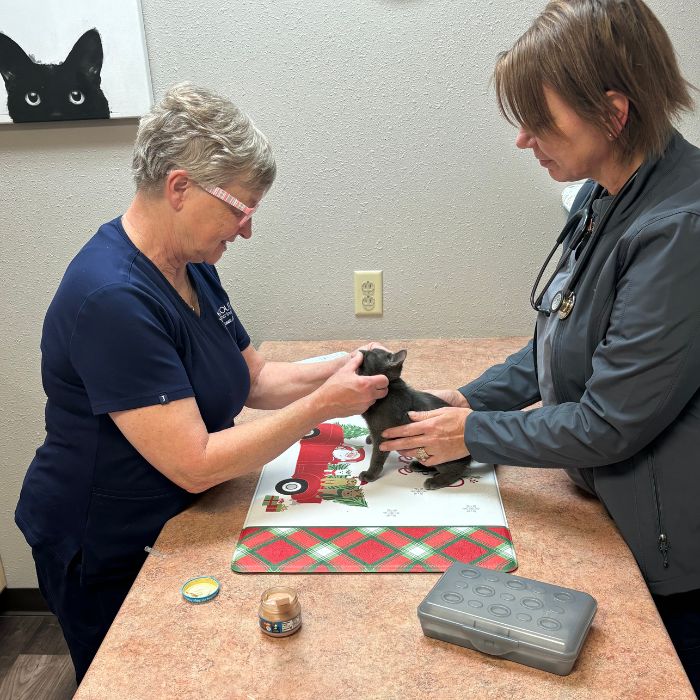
(368, 439)
(366, 476)
(436, 482)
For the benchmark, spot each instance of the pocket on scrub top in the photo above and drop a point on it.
(119, 526)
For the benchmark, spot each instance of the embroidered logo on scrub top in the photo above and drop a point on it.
(225, 313)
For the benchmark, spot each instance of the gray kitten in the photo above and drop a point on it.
(393, 410)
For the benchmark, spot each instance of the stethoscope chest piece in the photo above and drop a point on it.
(563, 304)
(556, 302)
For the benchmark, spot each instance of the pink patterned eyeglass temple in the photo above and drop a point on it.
(224, 196)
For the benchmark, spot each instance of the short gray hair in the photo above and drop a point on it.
(204, 133)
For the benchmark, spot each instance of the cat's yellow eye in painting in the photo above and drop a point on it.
(76, 97)
(32, 99)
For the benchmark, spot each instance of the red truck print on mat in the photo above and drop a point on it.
(314, 479)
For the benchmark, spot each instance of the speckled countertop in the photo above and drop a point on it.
(361, 637)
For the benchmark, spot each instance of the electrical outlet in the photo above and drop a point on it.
(368, 293)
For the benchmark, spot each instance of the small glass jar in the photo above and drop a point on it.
(280, 612)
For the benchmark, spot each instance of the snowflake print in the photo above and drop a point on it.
(391, 512)
(418, 491)
(471, 509)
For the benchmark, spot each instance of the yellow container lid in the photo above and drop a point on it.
(200, 589)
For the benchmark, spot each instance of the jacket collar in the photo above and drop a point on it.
(651, 171)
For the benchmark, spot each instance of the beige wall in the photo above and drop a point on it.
(391, 156)
(3, 580)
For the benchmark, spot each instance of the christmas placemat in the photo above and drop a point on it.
(311, 513)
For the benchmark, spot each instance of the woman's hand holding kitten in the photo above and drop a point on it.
(439, 432)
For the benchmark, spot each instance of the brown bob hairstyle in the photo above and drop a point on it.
(583, 48)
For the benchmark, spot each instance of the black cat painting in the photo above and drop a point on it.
(41, 92)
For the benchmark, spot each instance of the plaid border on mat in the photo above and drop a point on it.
(371, 549)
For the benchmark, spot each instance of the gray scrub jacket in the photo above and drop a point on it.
(625, 369)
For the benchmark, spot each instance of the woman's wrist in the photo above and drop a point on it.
(460, 400)
(316, 406)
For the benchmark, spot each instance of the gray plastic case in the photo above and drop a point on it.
(510, 616)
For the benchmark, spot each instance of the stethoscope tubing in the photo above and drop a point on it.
(577, 225)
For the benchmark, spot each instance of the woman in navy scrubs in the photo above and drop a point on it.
(146, 365)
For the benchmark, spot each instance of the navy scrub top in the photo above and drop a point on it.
(118, 336)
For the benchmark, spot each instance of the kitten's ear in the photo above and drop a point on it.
(397, 358)
(12, 58)
(87, 55)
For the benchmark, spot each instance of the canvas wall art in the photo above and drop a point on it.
(64, 61)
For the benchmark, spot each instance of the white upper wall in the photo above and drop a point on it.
(391, 154)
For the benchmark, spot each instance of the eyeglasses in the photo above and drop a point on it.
(224, 196)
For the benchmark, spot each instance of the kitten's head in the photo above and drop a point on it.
(38, 92)
(382, 362)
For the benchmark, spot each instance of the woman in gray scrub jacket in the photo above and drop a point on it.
(593, 87)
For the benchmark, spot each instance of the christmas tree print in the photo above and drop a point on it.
(353, 431)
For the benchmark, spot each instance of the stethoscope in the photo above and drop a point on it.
(580, 225)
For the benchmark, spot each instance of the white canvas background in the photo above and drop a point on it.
(394, 500)
(47, 30)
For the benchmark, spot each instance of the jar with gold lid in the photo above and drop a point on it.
(280, 612)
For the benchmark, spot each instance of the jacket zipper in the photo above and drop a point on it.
(663, 539)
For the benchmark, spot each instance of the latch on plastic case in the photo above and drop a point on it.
(487, 642)
(491, 643)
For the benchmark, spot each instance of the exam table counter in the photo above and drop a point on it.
(361, 637)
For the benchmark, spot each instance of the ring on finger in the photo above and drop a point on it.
(421, 454)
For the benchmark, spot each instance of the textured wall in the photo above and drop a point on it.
(391, 156)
